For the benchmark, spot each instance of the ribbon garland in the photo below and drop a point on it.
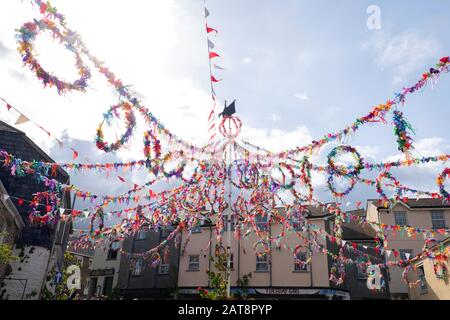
(203, 193)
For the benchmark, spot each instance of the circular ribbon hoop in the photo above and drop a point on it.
(276, 184)
(178, 171)
(248, 175)
(232, 121)
(344, 170)
(151, 142)
(27, 35)
(387, 175)
(440, 182)
(341, 194)
(130, 122)
(193, 201)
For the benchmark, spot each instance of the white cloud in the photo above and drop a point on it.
(301, 96)
(274, 117)
(403, 54)
(246, 60)
(275, 139)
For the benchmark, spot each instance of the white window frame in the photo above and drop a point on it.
(262, 260)
(397, 214)
(301, 266)
(142, 234)
(262, 225)
(423, 280)
(441, 219)
(197, 228)
(111, 249)
(191, 263)
(135, 269)
(164, 268)
(297, 224)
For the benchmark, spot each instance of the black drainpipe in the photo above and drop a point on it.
(209, 259)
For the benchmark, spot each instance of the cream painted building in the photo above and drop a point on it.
(431, 287)
(276, 275)
(104, 270)
(423, 214)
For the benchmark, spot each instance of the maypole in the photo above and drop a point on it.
(229, 211)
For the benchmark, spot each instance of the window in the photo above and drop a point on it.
(166, 231)
(113, 250)
(136, 267)
(297, 224)
(141, 235)
(197, 228)
(194, 263)
(261, 222)
(400, 218)
(300, 261)
(163, 268)
(262, 263)
(423, 280)
(362, 270)
(225, 224)
(438, 219)
(98, 291)
(405, 254)
(108, 286)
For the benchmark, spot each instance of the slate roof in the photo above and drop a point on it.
(19, 145)
(418, 203)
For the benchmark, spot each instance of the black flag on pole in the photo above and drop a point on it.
(229, 110)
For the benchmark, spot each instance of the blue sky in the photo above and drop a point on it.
(299, 69)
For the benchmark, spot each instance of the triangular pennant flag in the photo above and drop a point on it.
(407, 255)
(21, 119)
(344, 242)
(86, 213)
(43, 8)
(210, 44)
(62, 210)
(206, 13)
(218, 67)
(75, 153)
(388, 252)
(8, 106)
(5, 197)
(209, 30)
(213, 55)
(48, 133)
(121, 179)
(214, 79)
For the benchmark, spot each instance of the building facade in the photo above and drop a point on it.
(11, 224)
(40, 248)
(137, 278)
(104, 271)
(84, 259)
(431, 276)
(356, 274)
(416, 213)
(275, 275)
